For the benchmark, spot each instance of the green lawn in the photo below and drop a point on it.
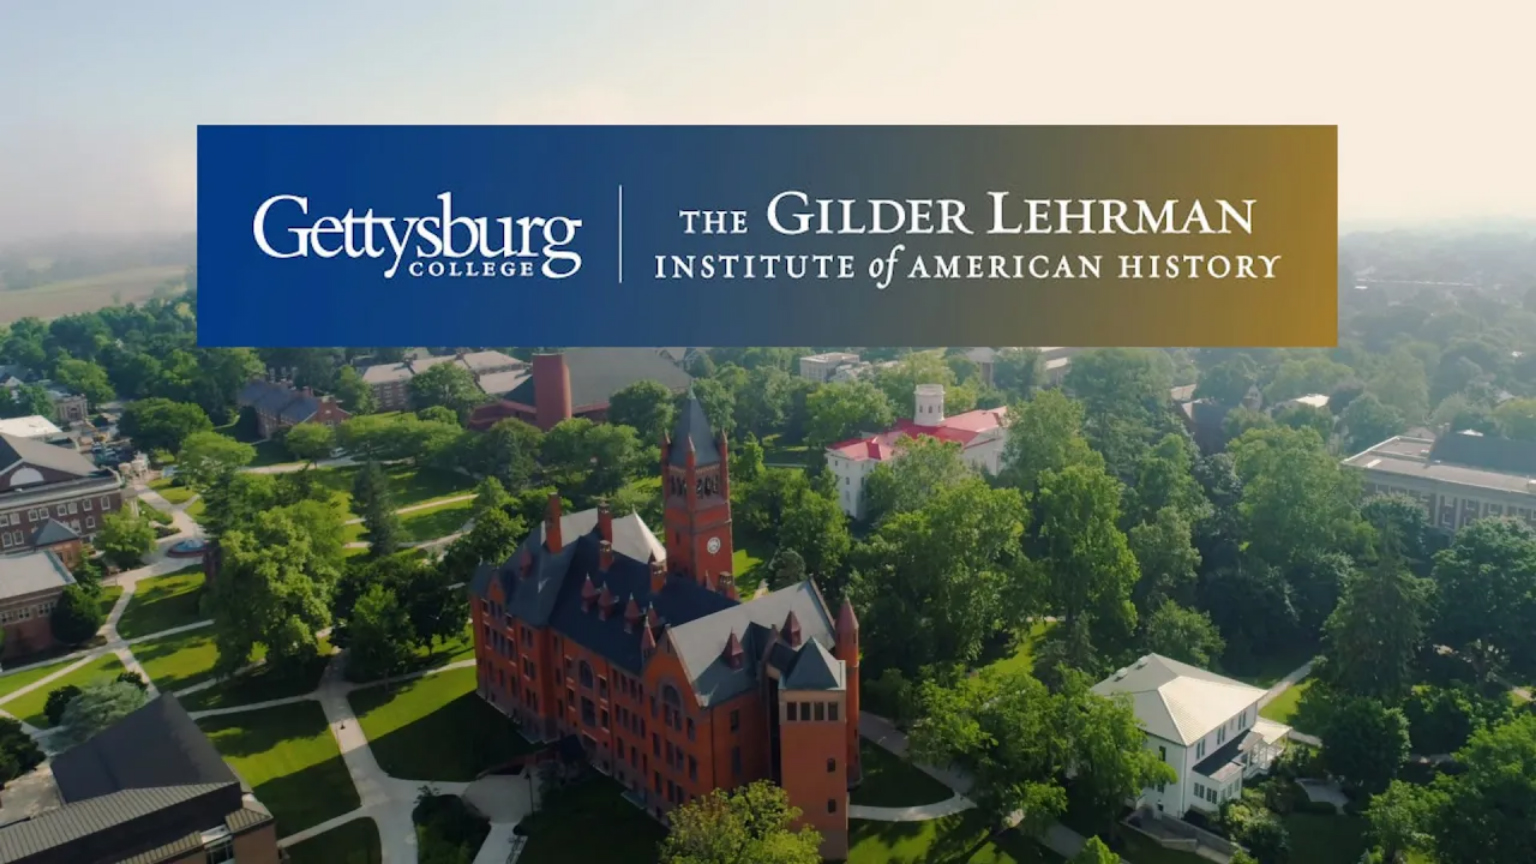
(1266, 671)
(196, 510)
(407, 484)
(261, 684)
(1287, 708)
(28, 707)
(163, 602)
(20, 676)
(1144, 850)
(890, 781)
(168, 490)
(785, 455)
(108, 597)
(591, 824)
(290, 759)
(179, 661)
(460, 647)
(435, 728)
(430, 523)
(959, 839)
(1023, 657)
(355, 842)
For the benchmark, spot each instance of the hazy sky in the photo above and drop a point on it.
(99, 100)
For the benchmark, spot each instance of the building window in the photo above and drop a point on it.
(690, 729)
(221, 851)
(602, 687)
(1200, 749)
(1221, 736)
(586, 675)
(832, 711)
(588, 712)
(805, 712)
(693, 768)
(655, 744)
(735, 721)
(831, 805)
(821, 711)
(1162, 754)
(736, 761)
(789, 715)
(831, 766)
(602, 719)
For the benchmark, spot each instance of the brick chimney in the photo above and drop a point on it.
(727, 586)
(658, 576)
(604, 521)
(552, 540)
(551, 390)
(604, 555)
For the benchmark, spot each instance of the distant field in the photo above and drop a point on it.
(86, 295)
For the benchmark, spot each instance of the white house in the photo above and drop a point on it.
(1204, 725)
(981, 435)
(35, 426)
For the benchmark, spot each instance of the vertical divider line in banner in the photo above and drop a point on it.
(621, 234)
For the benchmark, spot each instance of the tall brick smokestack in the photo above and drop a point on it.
(551, 390)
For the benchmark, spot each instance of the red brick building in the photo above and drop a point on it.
(644, 649)
(277, 406)
(579, 383)
(42, 483)
(30, 586)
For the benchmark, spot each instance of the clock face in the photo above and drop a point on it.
(714, 545)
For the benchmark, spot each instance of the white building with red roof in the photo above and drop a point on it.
(981, 435)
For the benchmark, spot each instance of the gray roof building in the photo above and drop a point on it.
(32, 573)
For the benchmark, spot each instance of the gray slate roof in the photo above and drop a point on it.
(52, 532)
(815, 669)
(598, 373)
(692, 425)
(44, 455)
(279, 400)
(697, 620)
(31, 572)
(74, 822)
(157, 745)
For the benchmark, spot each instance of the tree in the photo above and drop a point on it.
(753, 823)
(449, 385)
(1401, 521)
(310, 442)
(77, 616)
(1444, 719)
(1301, 416)
(1165, 479)
(718, 401)
(645, 406)
(1368, 422)
(58, 700)
(354, 394)
(1296, 501)
(208, 459)
(590, 460)
(787, 567)
(837, 412)
(1166, 558)
(1372, 639)
(1085, 559)
(371, 498)
(490, 495)
(1516, 419)
(137, 679)
(1227, 383)
(1019, 372)
(509, 452)
(86, 378)
(1044, 434)
(1365, 741)
(125, 538)
(1095, 852)
(1483, 813)
(379, 635)
(26, 401)
(493, 538)
(1017, 740)
(901, 485)
(276, 575)
(1398, 821)
(814, 525)
(19, 754)
(1487, 586)
(938, 582)
(97, 707)
(160, 424)
(1186, 635)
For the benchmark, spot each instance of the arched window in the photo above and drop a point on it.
(586, 675)
(831, 766)
(672, 705)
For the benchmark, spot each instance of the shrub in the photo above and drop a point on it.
(19, 754)
(58, 700)
(135, 679)
(77, 616)
(1320, 808)
(447, 830)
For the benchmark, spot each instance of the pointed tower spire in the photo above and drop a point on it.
(792, 629)
(733, 651)
(647, 643)
(631, 614)
(588, 594)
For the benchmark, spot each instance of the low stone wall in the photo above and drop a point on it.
(1184, 835)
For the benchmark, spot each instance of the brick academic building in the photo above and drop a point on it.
(643, 649)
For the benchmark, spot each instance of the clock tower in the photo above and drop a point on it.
(697, 494)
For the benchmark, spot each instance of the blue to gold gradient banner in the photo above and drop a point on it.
(726, 236)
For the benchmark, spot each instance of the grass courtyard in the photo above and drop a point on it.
(408, 484)
(959, 839)
(890, 781)
(289, 757)
(615, 831)
(435, 728)
(1287, 708)
(168, 490)
(178, 661)
(28, 707)
(355, 842)
(163, 602)
(439, 520)
(261, 684)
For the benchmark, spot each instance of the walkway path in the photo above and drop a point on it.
(1058, 838)
(425, 505)
(1291, 680)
